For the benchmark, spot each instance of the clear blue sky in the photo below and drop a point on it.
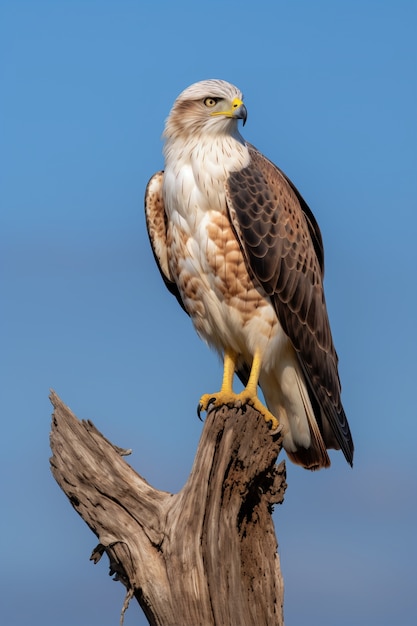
(331, 91)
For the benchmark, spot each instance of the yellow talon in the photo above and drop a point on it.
(257, 404)
(238, 400)
(226, 395)
(218, 399)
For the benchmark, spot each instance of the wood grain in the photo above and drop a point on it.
(204, 556)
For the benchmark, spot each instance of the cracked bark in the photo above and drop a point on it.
(206, 555)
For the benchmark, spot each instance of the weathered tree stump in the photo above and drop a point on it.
(204, 556)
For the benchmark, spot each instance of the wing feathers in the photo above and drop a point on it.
(156, 224)
(283, 247)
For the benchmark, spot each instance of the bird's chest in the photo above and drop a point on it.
(201, 242)
(206, 259)
(208, 265)
(204, 255)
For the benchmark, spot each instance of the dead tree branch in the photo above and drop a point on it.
(204, 556)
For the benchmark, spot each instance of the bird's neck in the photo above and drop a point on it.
(219, 154)
(196, 171)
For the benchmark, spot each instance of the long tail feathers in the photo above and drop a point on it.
(315, 457)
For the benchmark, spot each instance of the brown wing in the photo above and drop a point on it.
(283, 247)
(156, 224)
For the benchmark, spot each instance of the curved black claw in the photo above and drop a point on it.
(204, 406)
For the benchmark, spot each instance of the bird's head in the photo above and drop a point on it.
(210, 106)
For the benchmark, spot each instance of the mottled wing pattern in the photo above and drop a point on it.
(156, 224)
(283, 247)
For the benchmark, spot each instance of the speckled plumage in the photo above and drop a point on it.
(240, 249)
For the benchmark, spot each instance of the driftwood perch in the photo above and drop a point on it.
(204, 556)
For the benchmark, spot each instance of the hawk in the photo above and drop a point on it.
(238, 246)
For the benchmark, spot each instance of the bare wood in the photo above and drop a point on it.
(204, 556)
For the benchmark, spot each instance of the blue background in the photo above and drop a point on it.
(331, 91)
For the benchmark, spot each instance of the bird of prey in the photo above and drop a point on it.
(242, 252)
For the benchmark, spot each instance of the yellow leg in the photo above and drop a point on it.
(252, 385)
(226, 394)
(229, 365)
(249, 395)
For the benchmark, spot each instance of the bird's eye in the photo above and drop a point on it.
(211, 102)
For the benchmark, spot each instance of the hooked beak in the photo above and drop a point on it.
(238, 111)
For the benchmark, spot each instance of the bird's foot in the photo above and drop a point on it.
(240, 400)
(216, 400)
(254, 402)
